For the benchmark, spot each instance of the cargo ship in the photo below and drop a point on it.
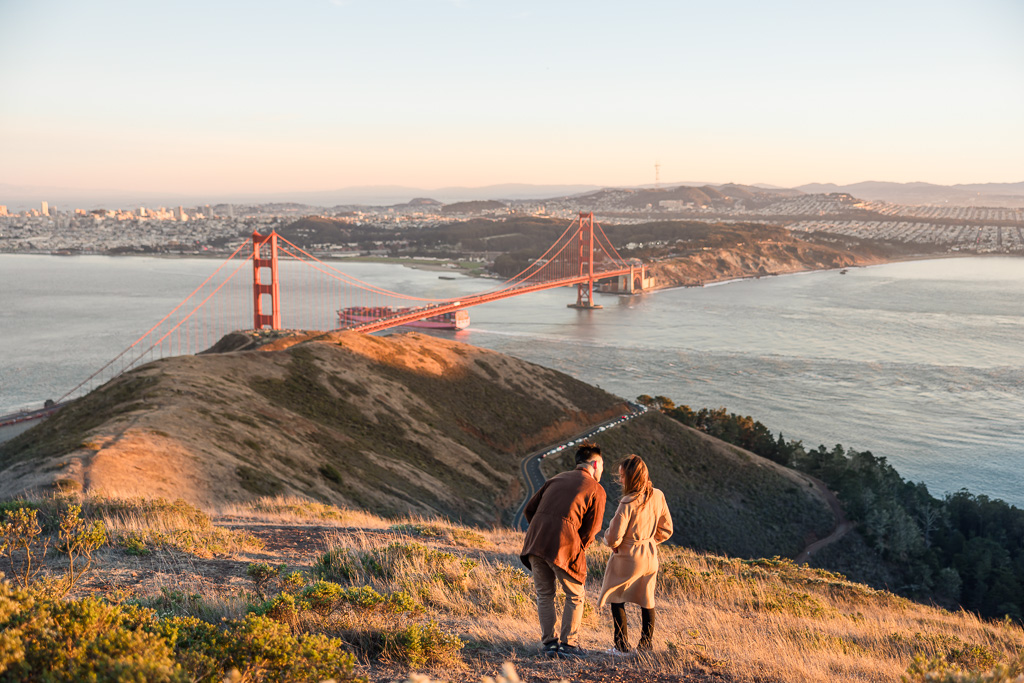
(354, 315)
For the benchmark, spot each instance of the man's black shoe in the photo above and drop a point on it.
(571, 652)
(551, 649)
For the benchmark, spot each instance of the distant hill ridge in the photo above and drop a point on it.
(18, 198)
(980, 194)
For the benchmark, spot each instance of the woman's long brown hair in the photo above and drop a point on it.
(635, 478)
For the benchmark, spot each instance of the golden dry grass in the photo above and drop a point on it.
(718, 617)
(296, 510)
(742, 620)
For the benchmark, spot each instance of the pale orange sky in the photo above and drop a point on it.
(431, 93)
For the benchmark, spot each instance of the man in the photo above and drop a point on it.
(564, 516)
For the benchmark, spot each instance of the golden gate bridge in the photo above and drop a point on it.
(311, 297)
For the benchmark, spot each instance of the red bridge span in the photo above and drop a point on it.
(293, 289)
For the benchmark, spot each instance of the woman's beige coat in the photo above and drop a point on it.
(633, 535)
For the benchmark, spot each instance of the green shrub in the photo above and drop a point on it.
(938, 670)
(948, 650)
(417, 645)
(172, 601)
(79, 540)
(46, 639)
(278, 579)
(259, 648)
(80, 640)
(323, 597)
(263, 575)
(282, 608)
(134, 544)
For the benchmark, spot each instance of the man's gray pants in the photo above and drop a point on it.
(545, 575)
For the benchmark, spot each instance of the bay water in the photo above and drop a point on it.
(920, 362)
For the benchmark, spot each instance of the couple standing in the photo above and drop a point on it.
(565, 516)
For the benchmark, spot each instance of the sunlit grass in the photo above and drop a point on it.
(412, 592)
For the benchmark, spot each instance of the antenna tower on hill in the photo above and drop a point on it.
(657, 175)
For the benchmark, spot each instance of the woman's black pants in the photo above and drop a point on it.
(622, 629)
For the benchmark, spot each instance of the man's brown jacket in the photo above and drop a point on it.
(564, 516)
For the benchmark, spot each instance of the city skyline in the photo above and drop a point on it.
(247, 99)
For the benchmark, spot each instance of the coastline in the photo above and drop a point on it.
(462, 269)
(724, 280)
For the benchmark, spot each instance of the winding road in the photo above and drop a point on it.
(529, 467)
(533, 478)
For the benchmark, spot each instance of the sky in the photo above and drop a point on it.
(306, 95)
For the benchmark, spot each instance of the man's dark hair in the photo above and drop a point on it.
(586, 452)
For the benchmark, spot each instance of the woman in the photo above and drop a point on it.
(641, 522)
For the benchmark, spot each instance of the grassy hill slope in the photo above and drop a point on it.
(402, 424)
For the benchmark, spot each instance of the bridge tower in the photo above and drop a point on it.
(259, 288)
(585, 290)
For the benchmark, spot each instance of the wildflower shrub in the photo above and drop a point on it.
(25, 544)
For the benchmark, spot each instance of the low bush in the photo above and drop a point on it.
(947, 649)
(277, 578)
(42, 638)
(938, 670)
(422, 645)
(25, 545)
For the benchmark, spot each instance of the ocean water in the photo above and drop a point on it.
(920, 362)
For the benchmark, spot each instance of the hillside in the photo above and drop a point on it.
(724, 499)
(682, 253)
(981, 194)
(757, 258)
(403, 424)
(320, 480)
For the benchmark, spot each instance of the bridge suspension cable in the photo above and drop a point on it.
(581, 254)
(150, 330)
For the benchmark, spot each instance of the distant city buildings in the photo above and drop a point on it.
(224, 226)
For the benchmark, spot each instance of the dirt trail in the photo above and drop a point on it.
(842, 527)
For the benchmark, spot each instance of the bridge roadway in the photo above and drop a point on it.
(15, 423)
(529, 466)
(477, 299)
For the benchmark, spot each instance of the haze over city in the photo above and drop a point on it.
(253, 98)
